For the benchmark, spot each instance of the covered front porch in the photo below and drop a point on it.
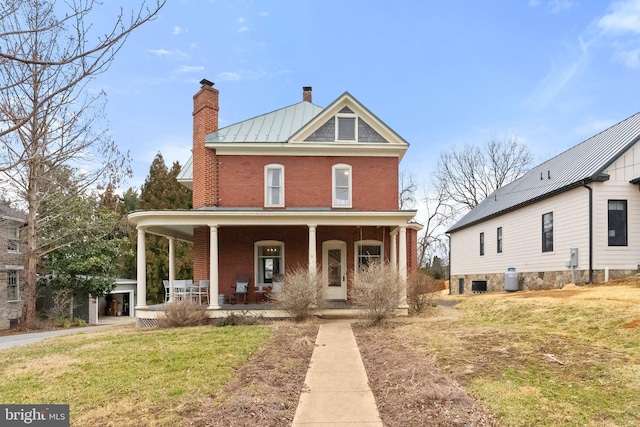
(263, 244)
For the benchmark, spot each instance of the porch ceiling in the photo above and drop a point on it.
(180, 224)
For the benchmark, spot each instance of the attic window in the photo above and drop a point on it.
(346, 128)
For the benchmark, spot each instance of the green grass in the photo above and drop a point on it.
(132, 376)
(500, 349)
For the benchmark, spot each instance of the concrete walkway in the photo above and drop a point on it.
(336, 389)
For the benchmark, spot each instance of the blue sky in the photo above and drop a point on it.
(441, 74)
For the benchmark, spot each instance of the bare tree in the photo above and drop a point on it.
(436, 214)
(50, 124)
(469, 175)
(407, 192)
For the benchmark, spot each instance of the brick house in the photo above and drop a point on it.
(11, 265)
(299, 186)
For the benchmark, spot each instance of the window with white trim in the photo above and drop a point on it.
(547, 232)
(367, 251)
(346, 128)
(274, 185)
(617, 221)
(269, 261)
(13, 241)
(13, 285)
(341, 186)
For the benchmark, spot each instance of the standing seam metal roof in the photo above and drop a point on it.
(579, 164)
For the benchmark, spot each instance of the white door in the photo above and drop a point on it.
(334, 261)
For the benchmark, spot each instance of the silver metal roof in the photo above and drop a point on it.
(580, 164)
(276, 126)
(186, 172)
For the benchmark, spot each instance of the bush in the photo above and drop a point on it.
(182, 314)
(422, 291)
(239, 320)
(377, 289)
(301, 295)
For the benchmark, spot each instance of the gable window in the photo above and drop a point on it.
(13, 242)
(269, 260)
(547, 232)
(499, 239)
(341, 186)
(617, 230)
(368, 251)
(13, 285)
(346, 128)
(481, 244)
(274, 185)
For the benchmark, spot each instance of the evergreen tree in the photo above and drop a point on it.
(161, 190)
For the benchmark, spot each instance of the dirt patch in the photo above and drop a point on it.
(409, 387)
(558, 293)
(632, 324)
(266, 389)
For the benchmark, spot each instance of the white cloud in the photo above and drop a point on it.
(179, 30)
(234, 76)
(534, 3)
(264, 14)
(160, 52)
(557, 6)
(243, 29)
(623, 17)
(594, 126)
(190, 68)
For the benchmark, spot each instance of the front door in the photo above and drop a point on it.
(334, 256)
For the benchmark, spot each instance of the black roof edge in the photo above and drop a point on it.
(548, 195)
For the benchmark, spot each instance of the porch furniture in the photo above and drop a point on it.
(200, 291)
(262, 295)
(180, 289)
(241, 288)
(165, 283)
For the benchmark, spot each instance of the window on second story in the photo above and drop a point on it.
(481, 244)
(617, 220)
(499, 237)
(13, 242)
(342, 186)
(13, 285)
(274, 185)
(547, 232)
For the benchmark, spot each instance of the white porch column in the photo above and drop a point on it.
(213, 267)
(172, 266)
(141, 301)
(312, 250)
(394, 251)
(402, 265)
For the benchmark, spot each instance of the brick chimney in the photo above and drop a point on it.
(205, 162)
(306, 93)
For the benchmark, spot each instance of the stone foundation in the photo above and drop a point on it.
(535, 281)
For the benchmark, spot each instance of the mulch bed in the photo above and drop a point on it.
(408, 386)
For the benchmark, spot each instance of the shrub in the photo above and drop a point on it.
(239, 320)
(301, 294)
(422, 291)
(377, 290)
(182, 314)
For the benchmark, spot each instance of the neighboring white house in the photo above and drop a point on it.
(574, 218)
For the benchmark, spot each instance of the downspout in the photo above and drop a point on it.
(584, 184)
(449, 266)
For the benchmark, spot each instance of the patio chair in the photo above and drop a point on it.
(200, 291)
(241, 288)
(165, 283)
(180, 289)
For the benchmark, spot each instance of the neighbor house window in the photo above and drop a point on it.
(13, 285)
(269, 260)
(499, 239)
(13, 242)
(617, 223)
(547, 232)
(368, 251)
(342, 186)
(481, 244)
(274, 186)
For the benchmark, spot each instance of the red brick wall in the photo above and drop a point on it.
(205, 164)
(308, 181)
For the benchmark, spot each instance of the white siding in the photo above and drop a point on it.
(522, 238)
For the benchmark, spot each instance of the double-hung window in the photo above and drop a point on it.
(617, 218)
(13, 241)
(342, 186)
(547, 232)
(13, 285)
(368, 251)
(274, 185)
